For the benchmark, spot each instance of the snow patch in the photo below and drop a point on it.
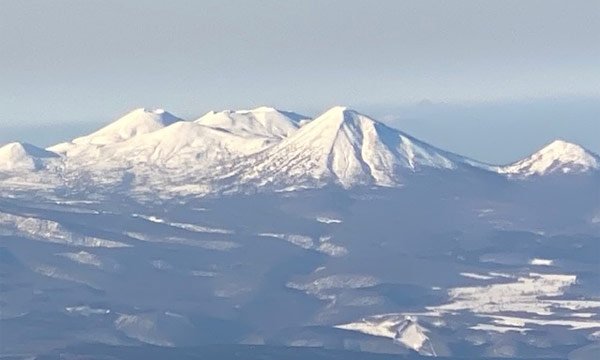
(51, 231)
(404, 329)
(22, 157)
(327, 220)
(85, 310)
(339, 281)
(185, 226)
(541, 262)
(306, 242)
(142, 328)
(476, 276)
(216, 245)
(263, 121)
(84, 257)
(499, 329)
(525, 295)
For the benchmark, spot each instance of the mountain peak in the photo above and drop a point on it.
(559, 156)
(412, 335)
(345, 147)
(136, 122)
(340, 111)
(342, 116)
(23, 156)
(263, 121)
(158, 111)
(562, 146)
(264, 109)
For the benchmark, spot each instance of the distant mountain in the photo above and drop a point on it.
(137, 122)
(22, 156)
(264, 149)
(157, 138)
(558, 157)
(348, 148)
(153, 141)
(184, 144)
(262, 121)
(156, 234)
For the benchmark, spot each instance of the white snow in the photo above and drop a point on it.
(23, 157)
(413, 336)
(202, 273)
(522, 322)
(56, 273)
(137, 122)
(501, 275)
(151, 153)
(338, 281)
(376, 325)
(84, 257)
(332, 249)
(346, 147)
(500, 329)
(141, 327)
(262, 121)
(306, 242)
(557, 157)
(185, 226)
(475, 276)
(541, 262)
(328, 220)
(526, 294)
(85, 310)
(216, 245)
(584, 315)
(161, 264)
(51, 231)
(403, 329)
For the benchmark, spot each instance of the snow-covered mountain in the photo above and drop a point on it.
(22, 157)
(404, 329)
(137, 122)
(348, 148)
(558, 157)
(265, 149)
(156, 149)
(412, 335)
(180, 145)
(262, 121)
(156, 230)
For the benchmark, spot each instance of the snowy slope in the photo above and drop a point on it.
(150, 138)
(263, 121)
(262, 148)
(184, 144)
(403, 329)
(22, 156)
(345, 147)
(137, 122)
(185, 158)
(414, 336)
(160, 149)
(557, 157)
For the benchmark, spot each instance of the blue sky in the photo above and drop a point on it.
(69, 66)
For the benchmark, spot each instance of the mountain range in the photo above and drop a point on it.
(264, 231)
(262, 149)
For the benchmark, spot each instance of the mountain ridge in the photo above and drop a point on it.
(266, 149)
(262, 121)
(557, 156)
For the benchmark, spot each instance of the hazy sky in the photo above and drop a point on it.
(85, 62)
